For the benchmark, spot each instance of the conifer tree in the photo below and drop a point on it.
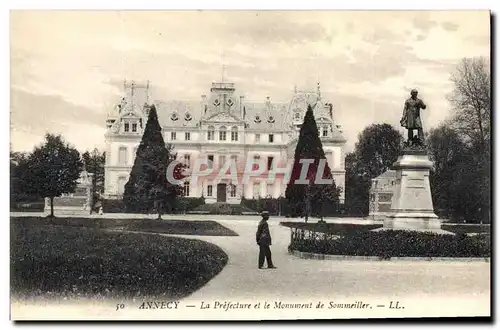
(148, 189)
(304, 197)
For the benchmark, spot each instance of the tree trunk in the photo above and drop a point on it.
(158, 206)
(307, 205)
(51, 207)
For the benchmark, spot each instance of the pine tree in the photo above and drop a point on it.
(148, 189)
(315, 195)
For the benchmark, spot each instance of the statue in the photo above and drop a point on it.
(411, 118)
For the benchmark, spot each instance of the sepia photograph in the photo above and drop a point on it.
(250, 165)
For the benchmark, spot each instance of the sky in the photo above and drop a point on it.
(68, 67)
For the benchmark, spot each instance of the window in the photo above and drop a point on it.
(271, 138)
(209, 190)
(134, 127)
(325, 131)
(173, 136)
(234, 134)
(210, 161)
(122, 180)
(122, 156)
(186, 188)
(297, 116)
(187, 136)
(222, 160)
(187, 160)
(270, 189)
(211, 133)
(270, 163)
(256, 190)
(222, 133)
(257, 138)
(126, 127)
(232, 190)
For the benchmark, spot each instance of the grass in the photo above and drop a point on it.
(466, 229)
(177, 227)
(54, 261)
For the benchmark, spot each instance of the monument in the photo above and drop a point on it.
(411, 205)
(78, 202)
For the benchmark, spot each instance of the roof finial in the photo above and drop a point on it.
(147, 92)
(132, 86)
(319, 90)
(295, 88)
(223, 66)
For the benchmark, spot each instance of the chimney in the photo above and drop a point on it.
(241, 107)
(204, 105)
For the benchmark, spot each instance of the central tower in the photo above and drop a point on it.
(222, 96)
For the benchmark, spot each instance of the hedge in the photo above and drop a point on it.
(182, 204)
(223, 208)
(391, 243)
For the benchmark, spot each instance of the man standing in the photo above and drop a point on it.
(263, 238)
(411, 115)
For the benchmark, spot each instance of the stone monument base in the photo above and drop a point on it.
(411, 206)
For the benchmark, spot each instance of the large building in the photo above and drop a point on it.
(381, 192)
(221, 126)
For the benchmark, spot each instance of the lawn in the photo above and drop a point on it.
(178, 227)
(54, 261)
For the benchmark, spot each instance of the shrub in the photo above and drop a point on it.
(390, 243)
(181, 205)
(223, 208)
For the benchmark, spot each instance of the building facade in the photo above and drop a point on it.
(221, 127)
(381, 192)
(78, 202)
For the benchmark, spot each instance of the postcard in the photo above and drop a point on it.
(250, 165)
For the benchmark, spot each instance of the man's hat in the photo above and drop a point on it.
(413, 91)
(264, 213)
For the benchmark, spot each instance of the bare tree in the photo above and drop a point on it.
(471, 99)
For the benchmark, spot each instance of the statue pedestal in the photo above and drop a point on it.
(411, 207)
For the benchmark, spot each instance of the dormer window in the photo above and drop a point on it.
(270, 120)
(126, 127)
(230, 102)
(188, 117)
(257, 119)
(134, 127)
(174, 117)
(216, 102)
(297, 116)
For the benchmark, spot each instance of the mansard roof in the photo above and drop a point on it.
(178, 113)
(264, 115)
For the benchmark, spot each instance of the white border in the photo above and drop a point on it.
(186, 4)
